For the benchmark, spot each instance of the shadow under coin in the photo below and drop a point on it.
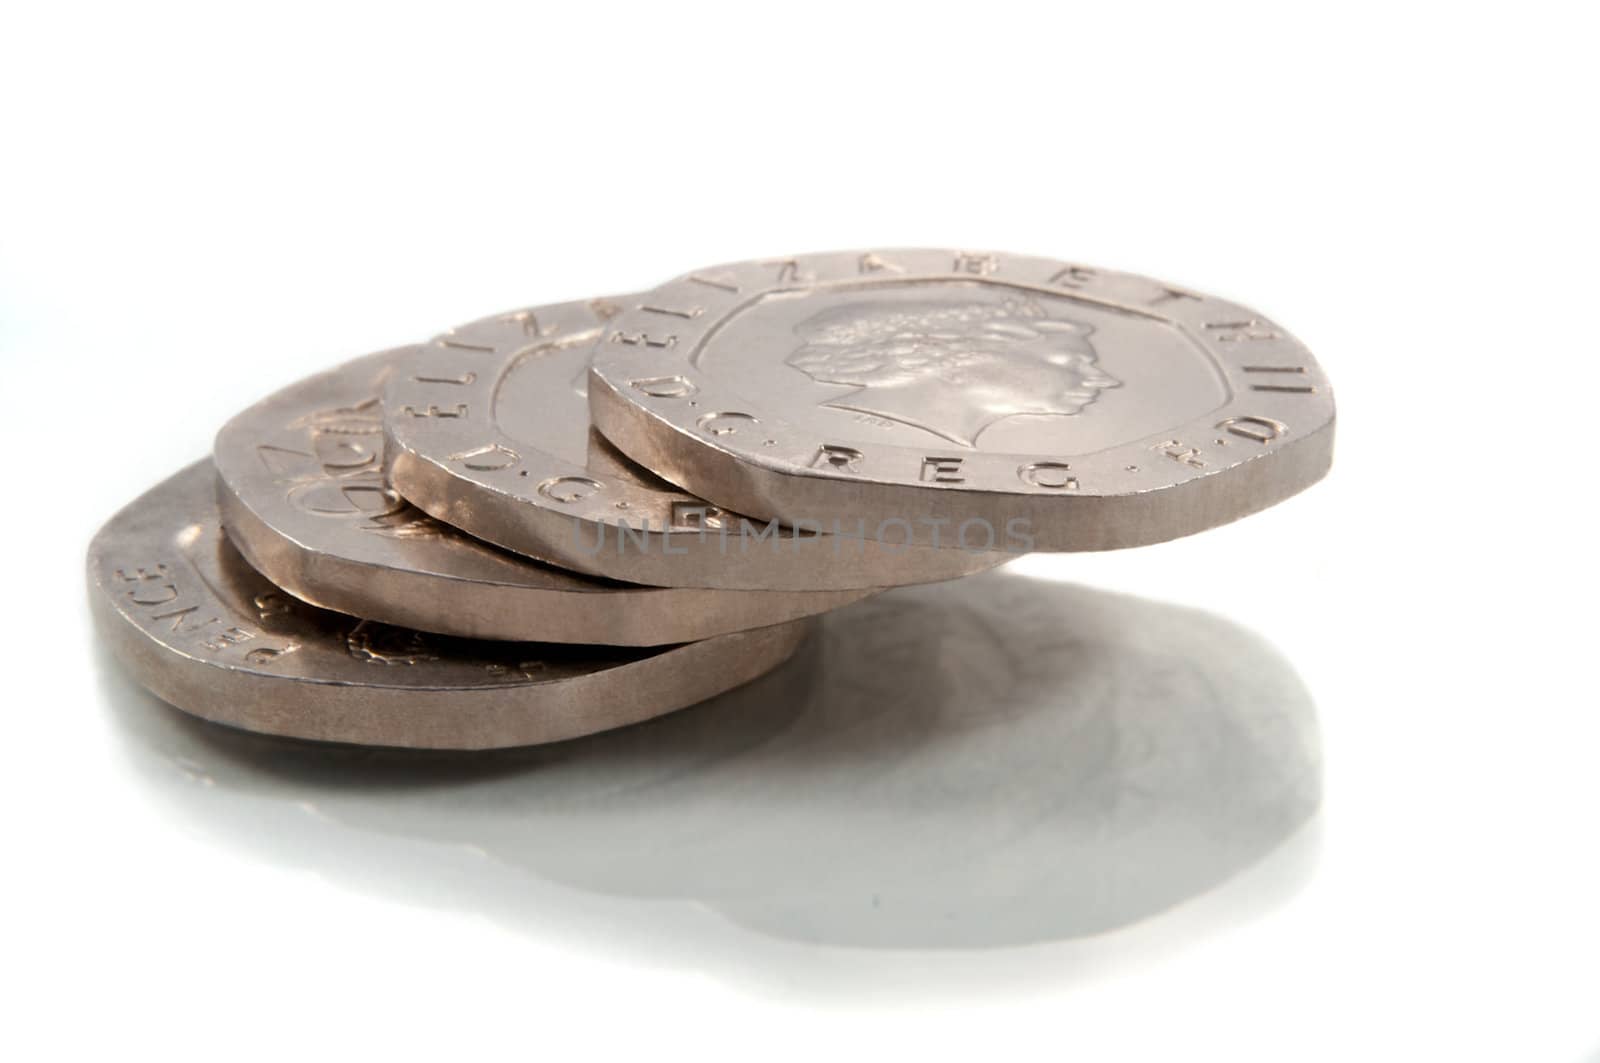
(964, 766)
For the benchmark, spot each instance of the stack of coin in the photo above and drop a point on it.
(569, 518)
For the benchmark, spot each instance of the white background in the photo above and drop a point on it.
(201, 204)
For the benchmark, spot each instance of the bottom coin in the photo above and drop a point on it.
(204, 631)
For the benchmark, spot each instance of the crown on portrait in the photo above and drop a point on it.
(855, 325)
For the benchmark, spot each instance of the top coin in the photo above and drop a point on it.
(970, 399)
(489, 431)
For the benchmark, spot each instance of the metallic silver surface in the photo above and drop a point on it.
(1051, 405)
(305, 498)
(204, 631)
(489, 431)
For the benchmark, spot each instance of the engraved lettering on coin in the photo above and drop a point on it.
(434, 410)
(1052, 474)
(872, 262)
(488, 458)
(1073, 277)
(976, 264)
(1281, 379)
(687, 313)
(722, 282)
(1260, 429)
(724, 424)
(663, 387)
(527, 320)
(644, 339)
(179, 617)
(790, 272)
(141, 574)
(159, 595)
(267, 655)
(271, 603)
(282, 462)
(569, 489)
(346, 498)
(942, 471)
(697, 515)
(1250, 328)
(952, 369)
(842, 459)
(227, 637)
(1178, 452)
(1172, 295)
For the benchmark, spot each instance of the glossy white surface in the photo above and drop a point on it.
(1348, 811)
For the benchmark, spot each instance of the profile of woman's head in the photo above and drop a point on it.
(952, 368)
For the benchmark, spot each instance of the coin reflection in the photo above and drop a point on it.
(1004, 762)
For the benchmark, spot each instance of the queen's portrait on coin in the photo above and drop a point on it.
(951, 368)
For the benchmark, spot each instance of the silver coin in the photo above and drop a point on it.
(304, 496)
(994, 400)
(489, 431)
(204, 631)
